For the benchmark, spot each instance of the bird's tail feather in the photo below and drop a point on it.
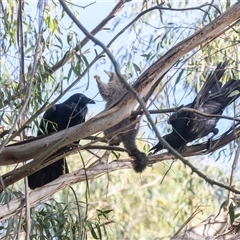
(212, 83)
(231, 91)
(48, 174)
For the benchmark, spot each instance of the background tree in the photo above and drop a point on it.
(169, 48)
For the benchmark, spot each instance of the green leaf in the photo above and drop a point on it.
(231, 213)
(234, 93)
(137, 69)
(28, 50)
(69, 38)
(59, 40)
(89, 224)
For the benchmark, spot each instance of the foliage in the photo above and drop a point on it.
(120, 203)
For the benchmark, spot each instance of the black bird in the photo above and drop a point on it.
(213, 98)
(59, 117)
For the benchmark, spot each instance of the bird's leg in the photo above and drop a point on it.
(209, 142)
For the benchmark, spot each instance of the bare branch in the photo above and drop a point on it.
(181, 108)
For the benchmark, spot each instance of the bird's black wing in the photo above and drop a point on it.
(174, 139)
(48, 174)
(59, 117)
(55, 119)
(180, 119)
(47, 124)
(201, 126)
(212, 85)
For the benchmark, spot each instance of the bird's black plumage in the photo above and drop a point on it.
(59, 117)
(213, 98)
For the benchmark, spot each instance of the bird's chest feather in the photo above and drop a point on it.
(69, 115)
(76, 114)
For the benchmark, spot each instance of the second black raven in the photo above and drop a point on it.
(59, 117)
(213, 98)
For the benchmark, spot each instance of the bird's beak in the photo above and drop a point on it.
(91, 101)
(88, 100)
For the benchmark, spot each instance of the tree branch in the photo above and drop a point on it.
(44, 192)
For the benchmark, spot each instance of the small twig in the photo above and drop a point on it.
(208, 114)
(182, 108)
(19, 224)
(78, 208)
(5, 132)
(28, 218)
(207, 179)
(75, 5)
(98, 28)
(169, 168)
(193, 215)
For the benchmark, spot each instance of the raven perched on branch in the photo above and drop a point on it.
(59, 117)
(213, 98)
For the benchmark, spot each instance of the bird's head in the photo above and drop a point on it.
(79, 99)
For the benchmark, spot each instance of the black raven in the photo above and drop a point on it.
(213, 98)
(59, 117)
